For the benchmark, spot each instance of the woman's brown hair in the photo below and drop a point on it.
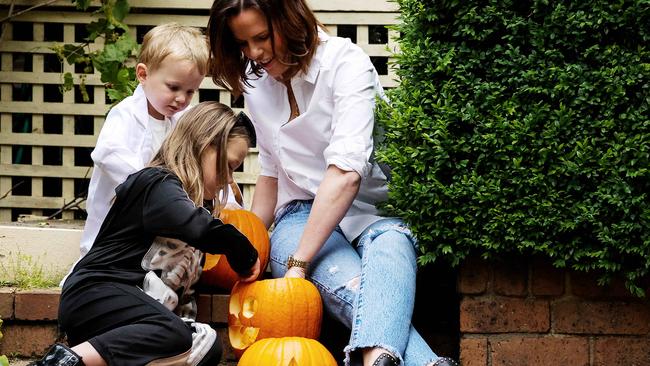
(293, 20)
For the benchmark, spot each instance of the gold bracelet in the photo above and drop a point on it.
(293, 262)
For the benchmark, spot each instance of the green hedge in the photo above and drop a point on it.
(524, 127)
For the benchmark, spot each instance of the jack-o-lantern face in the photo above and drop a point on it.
(216, 270)
(289, 351)
(281, 307)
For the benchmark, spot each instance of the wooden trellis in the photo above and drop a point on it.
(46, 137)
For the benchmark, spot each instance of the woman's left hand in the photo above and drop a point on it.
(295, 272)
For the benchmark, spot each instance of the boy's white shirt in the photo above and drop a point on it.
(159, 130)
(125, 145)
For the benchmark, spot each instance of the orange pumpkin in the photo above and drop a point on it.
(281, 307)
(288, 351)
(216, 270)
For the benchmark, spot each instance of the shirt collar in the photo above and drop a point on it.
(141, 111)
(314, 67)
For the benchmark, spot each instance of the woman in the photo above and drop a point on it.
(311, 98)
(111, 307)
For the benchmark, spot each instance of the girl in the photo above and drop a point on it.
(107, 317)
(311, 98)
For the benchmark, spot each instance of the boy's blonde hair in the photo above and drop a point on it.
(207, 125)
(183, 42)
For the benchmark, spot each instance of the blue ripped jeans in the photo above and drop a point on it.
(368, 286)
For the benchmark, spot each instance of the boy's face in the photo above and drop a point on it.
(170, 87)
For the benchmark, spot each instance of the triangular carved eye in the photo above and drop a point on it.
(249, 308)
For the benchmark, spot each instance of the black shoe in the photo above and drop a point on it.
(59, 355)
(386, 359)
(444, 361)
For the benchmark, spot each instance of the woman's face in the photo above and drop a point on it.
(252, 33)
(236, 151)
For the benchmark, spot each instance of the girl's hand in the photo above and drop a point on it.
(295, 272)
(254, 272)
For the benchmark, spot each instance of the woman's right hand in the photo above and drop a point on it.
(253, 273)
(295, 272)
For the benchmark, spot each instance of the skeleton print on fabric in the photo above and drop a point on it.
(173, 268)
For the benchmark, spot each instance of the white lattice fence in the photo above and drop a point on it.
(46, 137)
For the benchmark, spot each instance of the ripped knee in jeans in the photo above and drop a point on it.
(353, 284)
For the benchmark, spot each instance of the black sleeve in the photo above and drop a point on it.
(168, 211)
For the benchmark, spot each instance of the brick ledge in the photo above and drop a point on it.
(43, 305)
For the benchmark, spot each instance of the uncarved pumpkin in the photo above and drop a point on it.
(216, 270)
(274, 308)
(288, 351)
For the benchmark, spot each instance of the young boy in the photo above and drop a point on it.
(171, 66)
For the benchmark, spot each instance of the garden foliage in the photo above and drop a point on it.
(524, 127)
(3, 359)
(114, 60)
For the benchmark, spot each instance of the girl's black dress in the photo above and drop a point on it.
(102, 300)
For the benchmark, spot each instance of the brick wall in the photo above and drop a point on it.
(30, 317)
(512, 313)
(525, 312)
(30, 320)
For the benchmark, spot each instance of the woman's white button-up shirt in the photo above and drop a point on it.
(336, 99)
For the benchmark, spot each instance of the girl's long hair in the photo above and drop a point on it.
(206, 125)
(293, 20)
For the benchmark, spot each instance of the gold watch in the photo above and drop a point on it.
(293, 262)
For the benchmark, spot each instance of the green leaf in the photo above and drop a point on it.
(84, 92)
(126, 45)
(82, 4)
(120, 10)
(74, 53)
(97, 28)
(68, 82)
(124, 76)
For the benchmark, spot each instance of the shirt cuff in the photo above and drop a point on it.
(349, 154)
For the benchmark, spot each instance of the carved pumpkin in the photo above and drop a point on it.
(288, 351)
(281, 307)
(216, 270)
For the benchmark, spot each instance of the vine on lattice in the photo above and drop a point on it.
(115, 61)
